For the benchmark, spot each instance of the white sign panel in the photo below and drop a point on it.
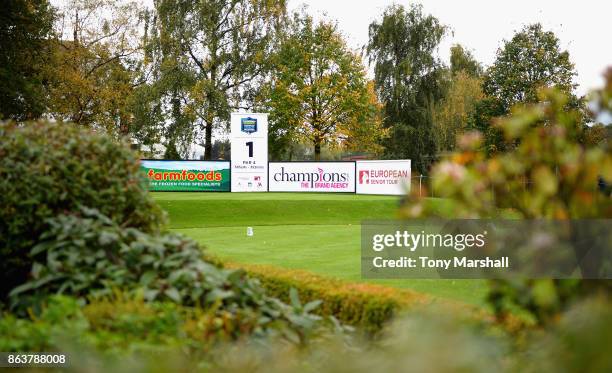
(312, 177)
(249, 139)
(383, 177)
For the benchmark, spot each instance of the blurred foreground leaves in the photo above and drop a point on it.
(551, 172)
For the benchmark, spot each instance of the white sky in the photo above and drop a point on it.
(583, 27)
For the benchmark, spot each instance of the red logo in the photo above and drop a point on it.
(364, 175)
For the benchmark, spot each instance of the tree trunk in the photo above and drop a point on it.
(317, 151)
(208, 141)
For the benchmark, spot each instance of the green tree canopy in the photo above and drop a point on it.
(532, 59)
(408, 79)
(319, 91)
(25, 27)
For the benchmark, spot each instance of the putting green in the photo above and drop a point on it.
(314, 232)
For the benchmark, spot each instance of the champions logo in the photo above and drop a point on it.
(184, 175)
(313, 178)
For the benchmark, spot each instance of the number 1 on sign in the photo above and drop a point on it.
(250, 146)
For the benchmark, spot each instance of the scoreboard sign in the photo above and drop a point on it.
(249, 140)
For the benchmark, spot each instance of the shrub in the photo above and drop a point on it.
(116, 324)
(37, 334)
(47, 169)
(88, 255)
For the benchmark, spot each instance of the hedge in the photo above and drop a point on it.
(366, 306)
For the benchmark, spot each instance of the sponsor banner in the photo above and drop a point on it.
(187, 176)
(383, 177)
(312, 177)
(249, 140)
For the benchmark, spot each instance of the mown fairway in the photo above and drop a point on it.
(315, 232)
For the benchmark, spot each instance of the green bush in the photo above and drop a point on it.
(47, 169)
(44, 332)
(117, 324)
(87, 255)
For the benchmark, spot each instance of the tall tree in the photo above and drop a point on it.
(532, 59)
(166, 68)
(25, 27)
(463, 91)
(319, 92)
(219, 50)
(408, 78)
(96, 59)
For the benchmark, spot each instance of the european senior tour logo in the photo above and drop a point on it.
(382, 176)
(248, 125)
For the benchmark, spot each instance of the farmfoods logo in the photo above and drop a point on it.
(318, 179)
(382, 176)
(184, 175)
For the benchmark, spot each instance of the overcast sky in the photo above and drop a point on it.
(583, 27)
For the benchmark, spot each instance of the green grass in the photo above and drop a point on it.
(314, 232)
(196, 210)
